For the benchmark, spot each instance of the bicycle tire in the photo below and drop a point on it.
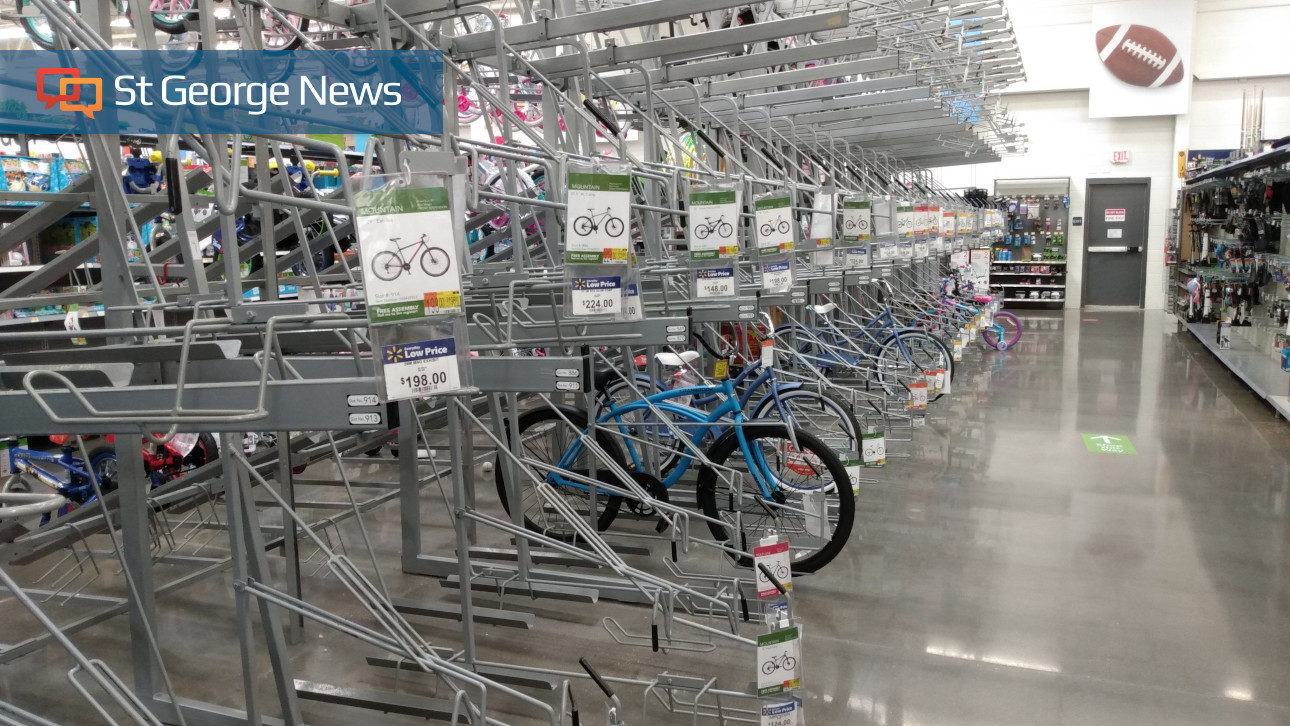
(1003, 336)
(381, 266)
(769, 667)
(540, 422)
(790, 663)
(811, 451)
(892, 362)
(583, 226)
(174, 20)
(45, 37)
(784, 227)
(702, 231)
(766, 230)
(293, 41)
(725, 231)
(835, 425)
(103, 463)
(614, 227)
(435, 261)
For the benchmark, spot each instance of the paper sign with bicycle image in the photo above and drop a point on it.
(409, 253)
(776, 559)
(779, 655)
(713, 224)
(599, 209)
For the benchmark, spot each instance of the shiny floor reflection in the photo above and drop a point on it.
(1005, 574)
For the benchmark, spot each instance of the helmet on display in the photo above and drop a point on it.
(310, 166)
(155, 157)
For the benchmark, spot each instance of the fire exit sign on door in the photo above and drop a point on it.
(1115, 215)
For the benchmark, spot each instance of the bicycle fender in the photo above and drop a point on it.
(707, 475)
(783, 387)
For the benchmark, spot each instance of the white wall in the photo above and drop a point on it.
(1235, 49)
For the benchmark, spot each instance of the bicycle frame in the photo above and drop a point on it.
(29, 461)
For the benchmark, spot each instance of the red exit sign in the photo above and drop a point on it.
(1120, 157)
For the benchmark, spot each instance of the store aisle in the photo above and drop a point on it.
(1007, 574)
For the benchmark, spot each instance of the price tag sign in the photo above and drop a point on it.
(411, 267)
(781, 714)
(632, 302)
(853, 465)
(424, 368)
(777, 277)
(905, 249)
(958, 349)
(858, 258)
(774, 220)
(873, 448)
(857, 220)
(714, 222)
(712, 282)
(933, 219)
(599, 208)
(947, 223)
(887, 250)
(779, 656)
(905, 222)
(921, 249)
(600, 295)
(920, 219)
(776, 559)
(917, 396)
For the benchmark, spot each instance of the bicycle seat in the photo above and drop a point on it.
(824, 309)
(674, 360)
(983, 299)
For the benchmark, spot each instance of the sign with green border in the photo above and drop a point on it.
(1108, 444)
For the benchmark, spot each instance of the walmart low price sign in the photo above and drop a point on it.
(421, 368)
(409, 253)
(598, 214)
(596, 295)
(713, 224)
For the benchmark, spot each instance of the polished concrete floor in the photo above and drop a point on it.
(1000, 573)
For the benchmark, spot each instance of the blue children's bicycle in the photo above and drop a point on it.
(793, 484)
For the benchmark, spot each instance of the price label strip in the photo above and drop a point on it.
(424, 368)
(713, 282)
(779, 661)
(713, 228)
(600, 295)
(774, 220)
(599, 216)
(411, 268)
(777, 277)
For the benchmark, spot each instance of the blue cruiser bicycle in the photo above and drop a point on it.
(793, 484)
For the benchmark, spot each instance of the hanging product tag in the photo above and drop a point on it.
(958, 347)
(857, 221)
(888, 250)
(596, 295)
(713, 222)
(820, 230)
(411, 264)
(921, 249)
(781, 714)
(905, 248)
(422, 358)
(774, 223)
(917, 400)
(777, 276)
(779, 656)
(921, 212)
(72, 322)
(774, 555)
(905, 223)
(6, 465)
(632, 309)
(822, 258)
(598, 213)
(768, 353)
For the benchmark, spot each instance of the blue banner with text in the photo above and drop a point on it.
(221, 91)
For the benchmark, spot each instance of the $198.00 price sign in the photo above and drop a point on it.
(424, 368)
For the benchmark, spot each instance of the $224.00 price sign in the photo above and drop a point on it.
(424, 368)
(600, 295)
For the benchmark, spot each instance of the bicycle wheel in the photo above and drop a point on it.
(545, 437)
(387, 266)
(171, 16)
(103, 464)
(807, 506)
(769, 667)
(613, 226)
(766, 230)
(790, 663)
(725, 231)
(701, 232)
(583, 226)
(435, 261)
(278, 35)
(1005, 332)
(784, 227)
(38, 28)
(820, 413)
(905, 356)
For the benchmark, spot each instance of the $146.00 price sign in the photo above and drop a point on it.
(774, 220)
(409, 252)
(599, 206)
(424, 368)
(600, 295)
(714, 222)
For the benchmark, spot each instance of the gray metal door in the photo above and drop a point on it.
(1115, 241)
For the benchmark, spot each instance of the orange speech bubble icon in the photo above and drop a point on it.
(86, 108)
(50, 99)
